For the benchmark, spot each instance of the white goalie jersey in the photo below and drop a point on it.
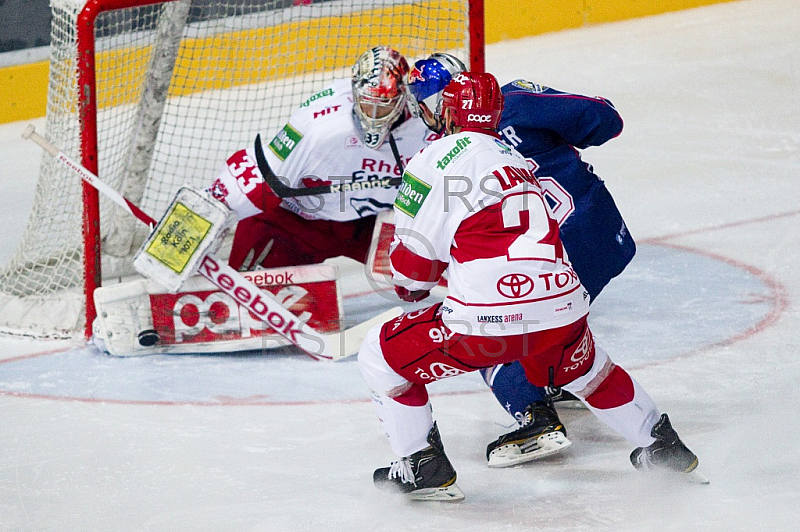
(472, 205)
(321, 144)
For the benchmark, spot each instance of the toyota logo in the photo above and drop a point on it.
(515, 285)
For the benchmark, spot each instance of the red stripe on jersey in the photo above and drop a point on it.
(264, 198)
(415, 267)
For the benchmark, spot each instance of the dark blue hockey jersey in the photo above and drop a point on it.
(547, 126)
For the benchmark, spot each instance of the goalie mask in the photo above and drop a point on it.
(425, 84)
(379, 93)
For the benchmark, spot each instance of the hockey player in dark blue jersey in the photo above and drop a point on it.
(548, 127)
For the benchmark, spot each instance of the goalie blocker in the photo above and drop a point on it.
(183, 243)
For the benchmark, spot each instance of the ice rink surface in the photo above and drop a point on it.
(706, 173)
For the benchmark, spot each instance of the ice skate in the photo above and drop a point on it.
(542, 434)
(564, 399)
(426, 475)
(667, 453)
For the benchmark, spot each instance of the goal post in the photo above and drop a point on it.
(152, 94)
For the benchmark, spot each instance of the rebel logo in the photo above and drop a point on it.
(515, 285)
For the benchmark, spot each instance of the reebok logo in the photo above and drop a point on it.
(452, 154)
(266, 308)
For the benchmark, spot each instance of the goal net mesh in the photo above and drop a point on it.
(181, 85)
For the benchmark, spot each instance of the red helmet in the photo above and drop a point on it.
(475, 100)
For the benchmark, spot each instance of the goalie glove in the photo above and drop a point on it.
(411, 296)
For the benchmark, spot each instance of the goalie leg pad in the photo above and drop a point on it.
(142, 318)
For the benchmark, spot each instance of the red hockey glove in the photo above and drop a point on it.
(411, 297)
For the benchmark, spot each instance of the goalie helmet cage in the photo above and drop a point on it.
(150, 95)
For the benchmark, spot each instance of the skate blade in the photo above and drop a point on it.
(451, 493)
(511, 455)
(697, 477)
(569, 405)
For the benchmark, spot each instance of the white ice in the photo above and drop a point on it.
(706, 173)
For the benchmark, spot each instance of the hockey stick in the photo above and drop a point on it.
(261, 304)
(86, 175)
(283, 190)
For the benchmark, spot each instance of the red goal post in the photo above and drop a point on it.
(150, 95)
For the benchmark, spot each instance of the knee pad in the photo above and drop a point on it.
(585, 384)
(381, 378)
(605, 386)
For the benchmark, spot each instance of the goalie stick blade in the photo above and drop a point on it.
(351, 339)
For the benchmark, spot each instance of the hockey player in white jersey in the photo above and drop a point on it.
(343, 135)
(356, 134)
(472, 205)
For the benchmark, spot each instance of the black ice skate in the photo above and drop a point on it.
(667, 453)
(426, 475)
(541, 434)
(564, 399)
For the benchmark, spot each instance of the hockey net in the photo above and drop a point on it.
(153, 95)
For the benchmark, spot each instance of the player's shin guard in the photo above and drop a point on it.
(617, 400)
(406, 426)
(403, 408)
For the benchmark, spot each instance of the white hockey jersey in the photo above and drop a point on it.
(322, 145)
(472, 205)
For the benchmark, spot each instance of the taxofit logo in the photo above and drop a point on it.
(452, 154)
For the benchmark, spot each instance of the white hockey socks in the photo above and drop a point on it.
(617, 400)
(407, 427)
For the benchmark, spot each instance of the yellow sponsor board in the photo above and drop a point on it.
(24, 91)
(267, 53)
(178, 238)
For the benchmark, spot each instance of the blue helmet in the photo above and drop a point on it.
(426, 81)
